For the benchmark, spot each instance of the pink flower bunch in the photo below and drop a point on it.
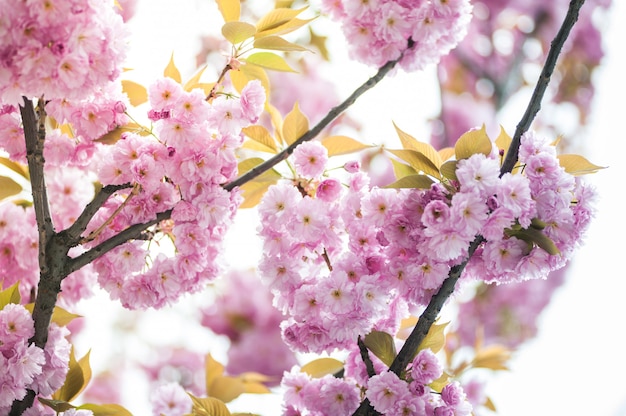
(325, 395)
(170, 399)
(341, 267)
(182, 168)
(28, 367)
(378, 30)
(64, 49)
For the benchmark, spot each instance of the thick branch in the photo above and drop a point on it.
(73, 233)
(542, 84)
(332, 115)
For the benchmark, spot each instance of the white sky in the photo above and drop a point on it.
(577, 363)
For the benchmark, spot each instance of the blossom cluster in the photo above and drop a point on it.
(27, 366)
(61, 49)
(378, 31)
(344, 261)
(387, 393)
(179, 168)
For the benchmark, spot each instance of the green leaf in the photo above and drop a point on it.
(440, 383)
(342, 145)
(269, 60)
(74, 381)
(16, 167)
(417, 160)
(261, 135)
(472, 142)
(230, 9)
(295, 125)
(412, 181)
(8, 187)
(411, 143)
(320, 367)
(277, 43)
(10, 295)
(237, 32)
(137, 93)
(171, 71)
(106, 409)
(577, 165)
(382, 345)
(435, 338)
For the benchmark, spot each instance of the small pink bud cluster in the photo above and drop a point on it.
(26, 366)
(61, 49)
(182, 170)
(378, 31)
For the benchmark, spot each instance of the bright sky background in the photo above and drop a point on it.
(577, 364)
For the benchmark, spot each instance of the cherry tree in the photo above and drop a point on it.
(133, 188)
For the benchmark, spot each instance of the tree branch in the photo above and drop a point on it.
(427, 319)
(131, 233)
(542, 83)
(332, 115)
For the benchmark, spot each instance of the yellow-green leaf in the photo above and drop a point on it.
(400, 170)
(208, 406)
(417, 160)
(8, 187)
(213, 369)
(320, 367)
(448, 170)
(409, 142)
(269, 60)
(536, 237)
(60, 316)
(259, 147)
(382, 345)
(277, 121)
(295, 125)
(194, 81)
(227, 388)
(288, 27)
(490, 405)
(440, 383)
(503, 141)
(577, 165)
(246, 73)
(472, 142)
(114, 135)
(171, 71)
(230, 9)
(446, 153)
(494, 357)
(254, 190)
(137, 93)
(261, 135)
(16, 167)
(237, 32)
(412, 181)
(277, 43)
(277, 18)
(109, 409)
(435, 338)
(10, 295)
(247, 164)
(74, 381)
(342, 145)
(56, 405)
